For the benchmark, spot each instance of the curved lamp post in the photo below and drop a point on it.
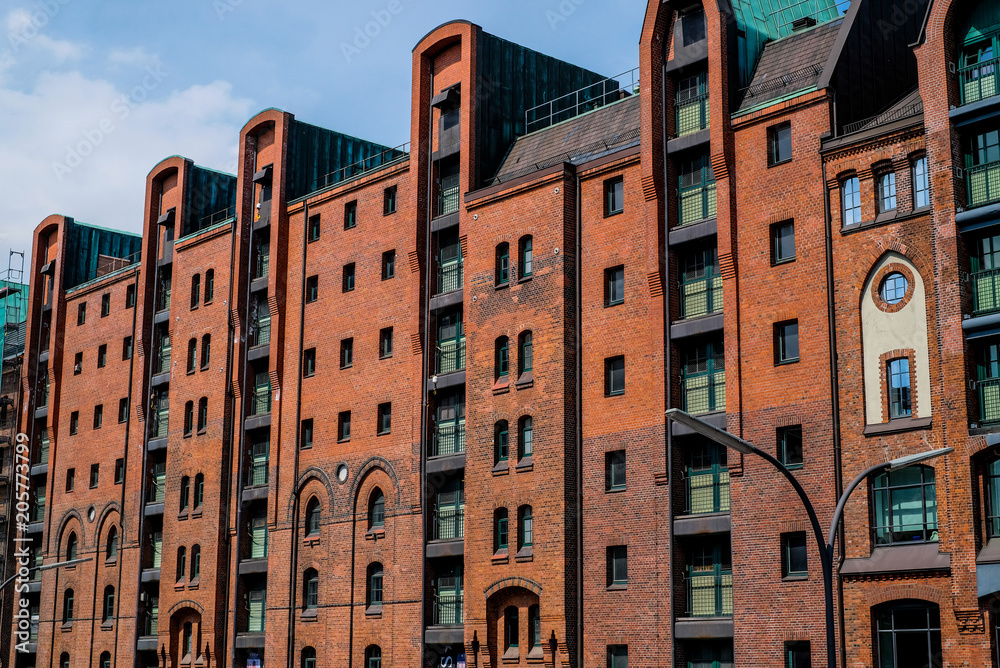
(825, 541)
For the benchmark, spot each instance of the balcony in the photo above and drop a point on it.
(448, 524)
(710, 594)
(706, 492)
(448, 439)
(162, 359)
(704, 392)
(985, 292)
(158, 423)
(989, 400)
(449, 277)
(692, 114)
(262, 263)
(257, 472)
(980, 81)
(260, 399)
(447, 609)
(982, 184)
(703, 295)
(696, 203)
(261, 334)
(450, 356)
(448, 198)
(163, 298)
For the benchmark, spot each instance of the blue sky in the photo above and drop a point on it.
(94, 94)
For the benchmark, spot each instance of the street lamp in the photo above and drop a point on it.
(825, 543)
(46, 567)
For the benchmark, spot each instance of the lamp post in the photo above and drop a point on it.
(825, 541)
(46, 567)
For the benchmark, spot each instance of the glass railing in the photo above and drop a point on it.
(450, 356)
(447, 609)
(701, 296)
(448, 524)
(983, 184)
(707, 492)
(38, 510)
(979, 81)
(449, 277)
(33, 631)
(448, 439)
(692, 114)
(704, 393)
(710, 594)
(989, 400)
(697, 203)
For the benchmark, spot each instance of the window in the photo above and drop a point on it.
(111, 549)
(696, 183)
(192, 357)
(525, 527)
(614, 376)
(312, 289)
(389, 201)
(308, 658)
(81, 314)
(95, 474)
(344, 426)
(195, 562)
(346, 353)
(510, 624)
(313, 233)
(904, 506)
(526, 258)
(127, 348)
(388, 265)
(618, 656)
(130, 296)
(614, 470)
(786, 342)
(67, 616)
(350, 215)
(195, 290)
(384, 418)
(614, 196)
(181, 563)
(185, 496)
(499, 529)
(851, 202)
(209, 286)
(798, 654)
(74, 422)
(617, 565)
(202, 415)
(779, 144)
(501, 442)
(887, 192)
(105, 305)
(70, 479)
(310, 589)
(782, 242)
(614, 285)
(188, 418)
(793, 555)
(187, 636)
(199, 491)
(526, 433)
(312, 517)
(206, 351)
(899, 388)
(375, 575)
(525, 353)
(373, 657)
(122, 410)
(98, 416)
(502, 361)
(309, 363)
(78, 364)
(385, 343)
(503, 264)
(109, 604)
(790, 446)
(992, 480)
(921, 183)
(71, 545)
(908, 634)
(119, 471)
(349, 277)
(894, 287)
(376, 509)
(307, 435)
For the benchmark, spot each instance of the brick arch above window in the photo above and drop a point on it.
(903, 591)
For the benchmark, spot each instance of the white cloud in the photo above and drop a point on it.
(26, 38)
(136, 56)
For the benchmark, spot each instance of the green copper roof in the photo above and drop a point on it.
(86, 243)
(983, 20)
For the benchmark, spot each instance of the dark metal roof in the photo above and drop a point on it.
(909, 105)
(791, 64)
(609, 129)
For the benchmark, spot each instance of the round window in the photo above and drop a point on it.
(894, 288)
(342, 473)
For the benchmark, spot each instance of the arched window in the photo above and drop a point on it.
(199, 490)
(111, 552)
(195, 562)
(525, 353)
(71, 544)
(502, 361)
(375, 584)
(904, 506)
(308, 658)
(503, 264)
(525, 527)
(501, 442)
(192, 359)
(105, 659)
(510, 623)
(64, 660)
(850, 190)
(376, 509)
(67, 606)
(109, 604)
(312, 517)
(202, 414)
(526, 437)
(206, 351)
(185, 493)
(188, 418)
(534, 627)
(525, 256)
(195, 290)
(209, 286)
(181, 562)
(908, 633)
(499, 529)
(373, 657)
(921, 182)
(310, 589)
(187, 637)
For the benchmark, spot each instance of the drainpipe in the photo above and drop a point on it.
(667, 360)
(578, 278)
(227, 438)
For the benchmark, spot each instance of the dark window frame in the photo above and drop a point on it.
(778, 250)
(786, 342)
(614, 196)
(778, 142)
(610, 370)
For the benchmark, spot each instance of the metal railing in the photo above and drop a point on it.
(979, 81)
(261, 334)
(447, 610)
(985, 291)
(257, 472)
(449, 277)
(989, 400)
(158, 423)
(163, 359)
(262, 264)
(163, 298)
(218, 217)
(692, 114)
(448, 524)
(260, 402)
(885, 117)
(157, 491)
(38, 510)
(707, 492)
(42, 451)
(701, 296)
(581, 101)
(362, 166)
(697, 203)
(448, 197)
(43, 392)
(710, 595)
(450, 356)
(982, 184)
(704, 393)
(151, 624)
(448, 439)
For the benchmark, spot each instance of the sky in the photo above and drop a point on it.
(94, 94)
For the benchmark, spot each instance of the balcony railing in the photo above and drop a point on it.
(448, 524)
(702, 296)
(697, 203)
(983, 184)
(989, 400)
(979, 81)
(710, 594)
(449, 277)
(163, 298)
(38, 510)
(707, 492)
(448, 439)
(151, 623)
(261, 334)
(450, 356)
(447, 610)
(260, 401)
(33, 630)
(42, 451)
(692, 114)
(985, 292)
(704, 393)
(43, 392)
(257, 472)
(448, 197)
(163, 359)
(262, 265)
(157, 491)
(158, 424)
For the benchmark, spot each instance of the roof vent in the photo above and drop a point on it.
(803, 23)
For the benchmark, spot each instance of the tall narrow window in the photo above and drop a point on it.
(313, 233)
(993, 499)
(385, 343)
(350, 215)
(185, 495)
(346, 353)
(108, 613)
(499, 529)
(790, 446)
(526, 437)
(312, 289)
(195, 562)
(779, 144)
(344, 426)
(98, 416)
(349, 277)
(71, 546)
(310, 593)
(534, 627)
(510, 624)
(192, 358)
(105, 305)
(782, 242)
(389, 201)
(375, 576)
(102, 356)
(130, 295)
(199, 490)
(67, 613)
(78, 364)
(384, 418)
(921, 183)
(899, 388)
(376, 509)
(614, 196)
(614, 285)
(111, 548)
(122, 410)
(309, 363)
(525, 353)
(526, 257)
(617, 565)
(388, 265)
(127, 348)
(614, 470)
(209, 286)
(307, 435)
(181, 563)
(525, 527)
(794, 555)
(887, 192)
(308, 658)
(501, 442)
(206, 351)
(188, 418)
(187, 639)
(81, 314)
(202, 415)
(786, 342)
(503, 264)
(851, 201)
(373, 657)
(614, 376)
(312, 517)
(74, 423)
(502, 359)
(95, 475)
(195, 290)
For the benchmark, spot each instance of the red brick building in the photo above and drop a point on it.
(405, 406)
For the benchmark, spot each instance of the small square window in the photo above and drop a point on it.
(119, 471)
(98, 416)
(793, 557)
(127, 348)
(617, 565)
(312, 289)
(130, 296)
(74, 423)
(313, 233)
(347, 353)
(798, 654)
(102, 356)
(344, 426)
(614, 196)
(350, 215)
(307, 435)
(385, 343)
(309, 363)
(384, 418)
(388, 265)
(614, 376)
(105, 305)
(786, 342)
(790, 446)
(614, 285)
(614, 470)
(389, 202)
(70, 479)
(349, 277)
(782, 242)
(122, 410)
(779, 144)
(81, 313)
(77, 364)
(94, 475)
(617, 656)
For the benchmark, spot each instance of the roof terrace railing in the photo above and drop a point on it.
(218, 217)
(909, 110)
(361, 166)
(580, 101)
